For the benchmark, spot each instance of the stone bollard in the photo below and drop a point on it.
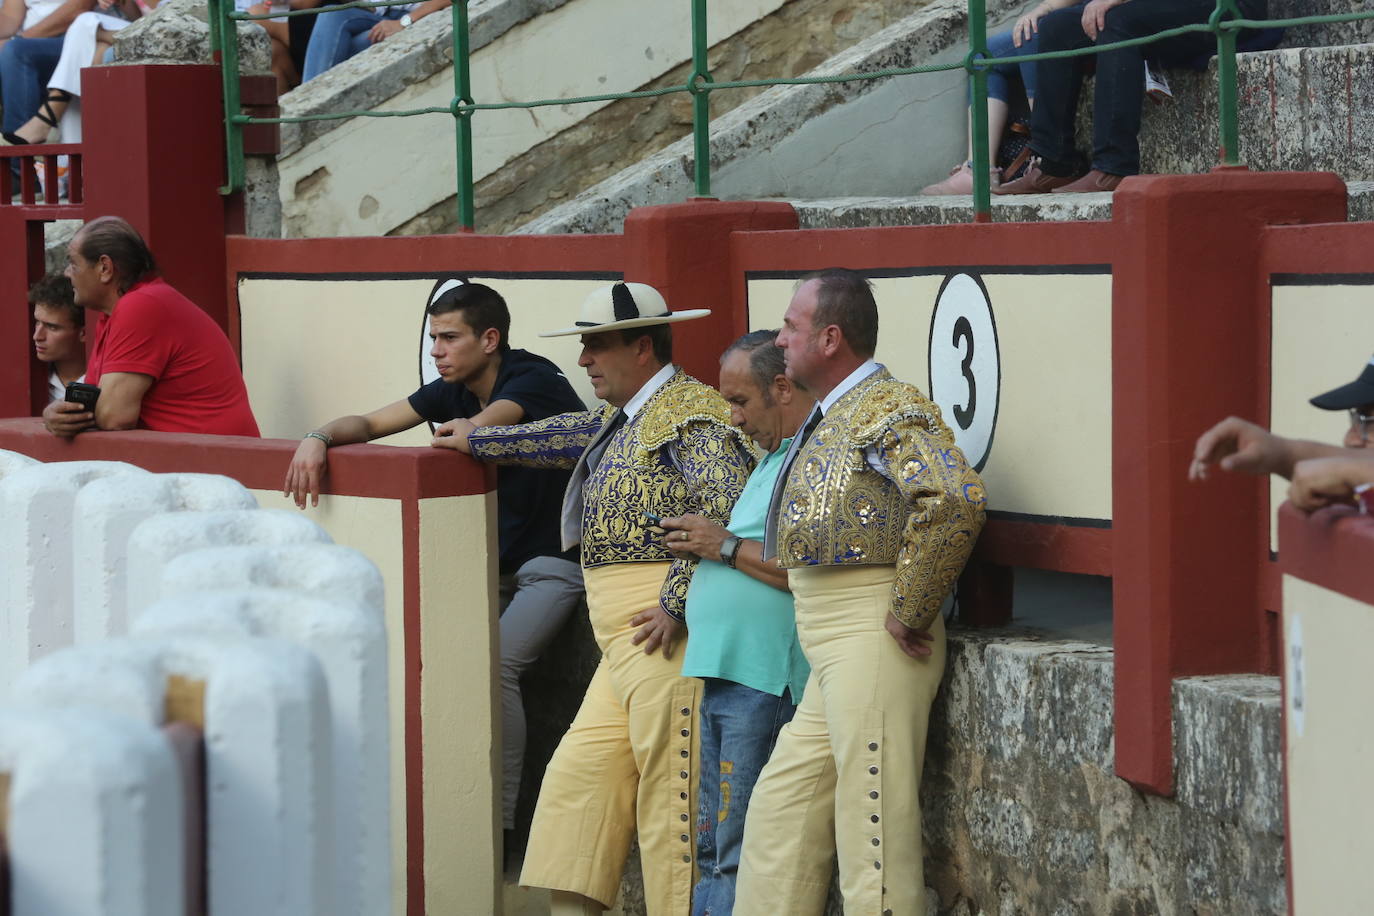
(94, 815)
(109, 510)
(36, 557)
(263, 708)
(157, 541)
(349, 639)
(13, 461)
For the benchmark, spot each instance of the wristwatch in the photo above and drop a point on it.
(406, 21)
(729, 550)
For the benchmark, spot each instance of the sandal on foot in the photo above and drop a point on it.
(45, 112)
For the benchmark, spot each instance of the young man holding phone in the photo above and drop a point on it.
(59, 333)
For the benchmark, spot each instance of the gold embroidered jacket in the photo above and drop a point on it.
(922, 513)
(678, 454)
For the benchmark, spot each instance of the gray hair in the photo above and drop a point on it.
(765, 359)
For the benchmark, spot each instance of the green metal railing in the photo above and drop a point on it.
(1224, 23)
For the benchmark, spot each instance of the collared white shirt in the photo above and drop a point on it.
(57, 389)
(867, 368)
(635, 404)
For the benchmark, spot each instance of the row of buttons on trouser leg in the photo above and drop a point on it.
(874, 818)
(685, 778)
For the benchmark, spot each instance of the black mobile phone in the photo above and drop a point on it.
(83, 394)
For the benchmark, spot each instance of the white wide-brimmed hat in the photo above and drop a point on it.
(624, 305)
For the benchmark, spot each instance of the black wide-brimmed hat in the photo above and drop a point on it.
(1356, 394)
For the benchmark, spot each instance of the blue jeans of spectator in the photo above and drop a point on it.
(1119, 89)
(341, 34)
(738, 726)
(26, 65)
(1001, 77)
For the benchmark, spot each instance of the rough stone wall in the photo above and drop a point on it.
(1024, 815)
(799, 37)
(1022, 811)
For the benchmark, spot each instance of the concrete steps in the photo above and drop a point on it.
(846, 153)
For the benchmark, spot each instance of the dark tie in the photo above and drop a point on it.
(770, 534)
(598, 446)
(571, 520)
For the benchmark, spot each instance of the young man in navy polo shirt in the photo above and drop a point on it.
(484, 380)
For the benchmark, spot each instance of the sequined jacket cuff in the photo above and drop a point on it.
(554, 442)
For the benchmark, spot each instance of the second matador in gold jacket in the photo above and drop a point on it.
(627, 764)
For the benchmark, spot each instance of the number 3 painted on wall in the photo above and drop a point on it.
(965, 364)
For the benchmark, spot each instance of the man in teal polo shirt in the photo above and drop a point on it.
(744, 637)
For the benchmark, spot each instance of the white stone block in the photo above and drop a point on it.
(109, 510)
(95, 815)
(157, 541)
(36, 544)
(267, 753)
(349, 639)
(14, 461)
(327, 571)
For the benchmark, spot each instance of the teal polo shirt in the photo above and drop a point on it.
(742, 630)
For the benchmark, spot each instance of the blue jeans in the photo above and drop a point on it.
(26, 65)
(1002, 76)
(739, 726)
(341, 34)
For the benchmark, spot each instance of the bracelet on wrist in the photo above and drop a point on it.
(327, 439)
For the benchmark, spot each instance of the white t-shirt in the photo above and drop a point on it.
(38, 10)
(56, 390)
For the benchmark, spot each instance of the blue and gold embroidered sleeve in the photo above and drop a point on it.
(946, 512)
(555, 442)
(715, 464)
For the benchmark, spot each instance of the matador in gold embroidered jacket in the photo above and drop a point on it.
(880, 481)
(678, 454)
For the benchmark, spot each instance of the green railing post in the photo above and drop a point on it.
(978, 110)
(1226, 81)
(225, 46)
(699, 85)
(462, 90)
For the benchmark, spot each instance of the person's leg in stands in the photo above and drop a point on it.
(26, 65)
(334, 39)
(1117, 97)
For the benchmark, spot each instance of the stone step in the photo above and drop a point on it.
(1301, 109)
(1336, 33)
(855, 212)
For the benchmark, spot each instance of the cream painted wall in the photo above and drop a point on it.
(462, 775)
(1336, 322)
(1329, 727)
(385, 171)
(1051, 451)
(373, 527)
(318, 349)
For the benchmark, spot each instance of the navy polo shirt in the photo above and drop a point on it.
(528, 500)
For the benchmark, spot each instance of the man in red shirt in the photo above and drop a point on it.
(160, 361)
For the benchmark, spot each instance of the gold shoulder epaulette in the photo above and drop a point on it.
(890, 400)
(681, 401)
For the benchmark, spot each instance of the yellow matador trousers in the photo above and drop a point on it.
(846, 772)
(629, 758)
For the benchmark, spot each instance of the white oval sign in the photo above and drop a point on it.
(965, 367)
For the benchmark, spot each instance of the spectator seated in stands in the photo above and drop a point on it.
(1116, 96)
(289, 37)
(59, 332)
(31, 38)
(1003, 81)
(343, 33)
(160, 362)
(87, 39)
(1238, 445)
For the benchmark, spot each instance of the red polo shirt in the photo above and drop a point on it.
(197, 384)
